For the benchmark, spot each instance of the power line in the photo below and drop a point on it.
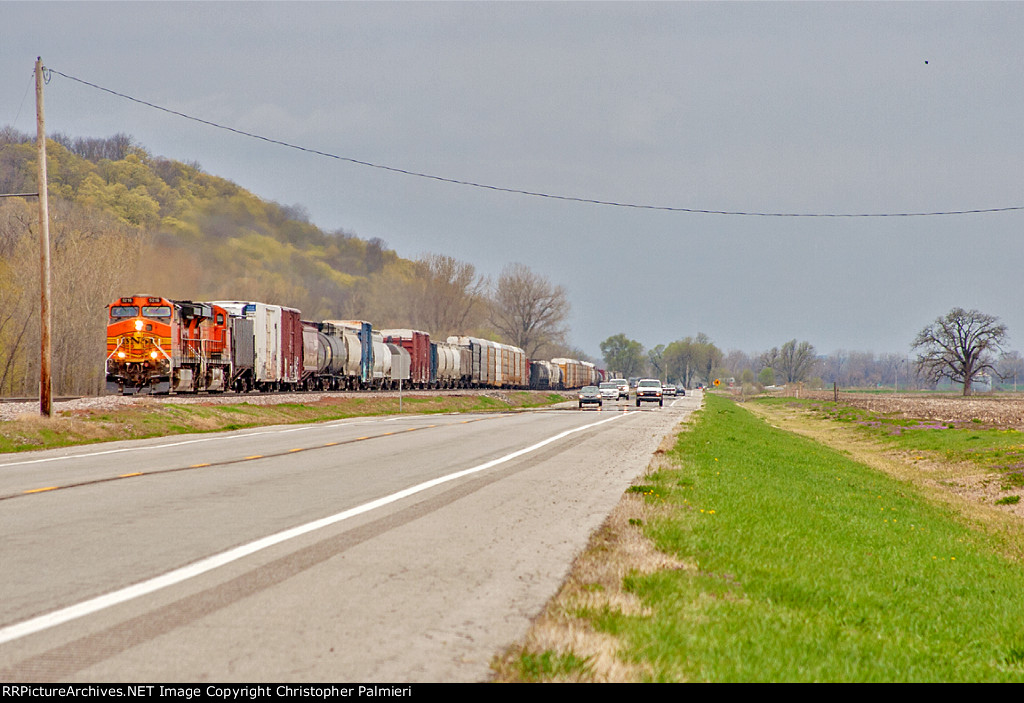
(517, 191)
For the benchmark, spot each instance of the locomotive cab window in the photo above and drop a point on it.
(119, 311)
(159, 312)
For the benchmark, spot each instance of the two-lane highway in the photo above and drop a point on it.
(406, 548)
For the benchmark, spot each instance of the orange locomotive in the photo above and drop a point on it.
(158, 345)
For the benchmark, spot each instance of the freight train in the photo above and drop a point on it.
(158, 345)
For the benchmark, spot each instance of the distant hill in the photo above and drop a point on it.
(202, 236)
(124, 221)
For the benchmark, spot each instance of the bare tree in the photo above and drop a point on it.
(656, 358)
(794, 362)
(528, 310)
(1010, 367)
(19, 291)
(451, 297)
(687, 359)
(709, 357)
(93, 259)
(959, 346)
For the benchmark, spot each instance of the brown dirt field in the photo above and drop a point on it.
(993, 411)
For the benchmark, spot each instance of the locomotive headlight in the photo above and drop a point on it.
(152, 355)
(120, 355)
(138, 325)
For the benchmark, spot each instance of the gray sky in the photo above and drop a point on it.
(762, 107)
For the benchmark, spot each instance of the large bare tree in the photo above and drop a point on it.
(794, 362)
(528, 310)
(452, 296)
(959, 346)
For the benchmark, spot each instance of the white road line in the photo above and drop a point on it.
(342, 423)
(93, 605)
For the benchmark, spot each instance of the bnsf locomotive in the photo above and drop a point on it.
(157, 345)
(167, 345)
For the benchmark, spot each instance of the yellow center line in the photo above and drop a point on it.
(254, 456)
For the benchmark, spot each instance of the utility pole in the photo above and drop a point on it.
(45, 398)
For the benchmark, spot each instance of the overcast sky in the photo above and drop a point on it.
(831, 108)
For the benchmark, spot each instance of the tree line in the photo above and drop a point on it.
(697, 360)
(961, 347)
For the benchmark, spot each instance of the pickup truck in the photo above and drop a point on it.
(649, 389)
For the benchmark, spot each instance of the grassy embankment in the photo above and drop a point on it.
(156, 419)
(792, 562)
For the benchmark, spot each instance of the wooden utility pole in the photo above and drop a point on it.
(45, 397)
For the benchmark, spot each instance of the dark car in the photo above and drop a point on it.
(590, 395)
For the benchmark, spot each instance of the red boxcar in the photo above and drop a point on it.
(417, 343)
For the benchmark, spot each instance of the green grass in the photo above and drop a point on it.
(812, 567)
(157, 419)
(549, 665)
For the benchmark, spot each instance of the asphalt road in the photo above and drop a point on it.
(408, 548)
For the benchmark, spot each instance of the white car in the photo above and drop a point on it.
(649, 389)
(609, 391)
(623, 385)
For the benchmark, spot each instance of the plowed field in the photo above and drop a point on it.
(991, 411)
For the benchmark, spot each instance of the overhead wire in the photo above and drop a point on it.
(518, 191)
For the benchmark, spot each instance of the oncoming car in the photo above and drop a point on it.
(649, 389)
(623, 385)
(609, 391)
(590, 395)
